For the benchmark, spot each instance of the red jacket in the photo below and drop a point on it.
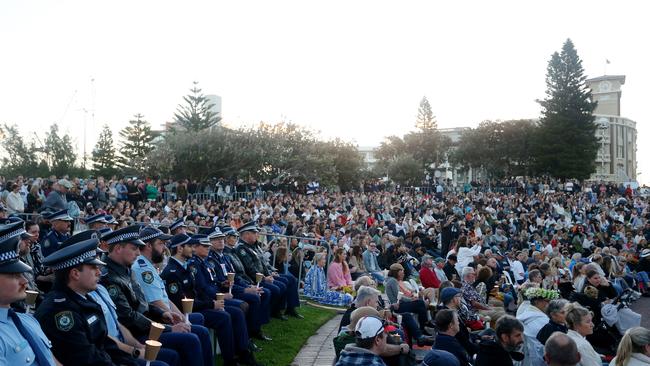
(428, 278)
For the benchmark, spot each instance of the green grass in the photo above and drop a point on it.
(289, 336)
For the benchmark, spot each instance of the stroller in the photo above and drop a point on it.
(618, 314)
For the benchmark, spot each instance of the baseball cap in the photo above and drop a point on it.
(368, 327)
(448, 293)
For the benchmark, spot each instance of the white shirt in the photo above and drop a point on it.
(518, 270)
(588, 356)
(466, 256)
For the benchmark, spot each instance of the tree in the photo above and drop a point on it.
(425, 120)
(136, 144)
(104, 156)
(566, 144)
(20, 158)
(406, 170)
(197, 114)
(59, 152)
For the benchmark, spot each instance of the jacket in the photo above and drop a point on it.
(356, 356)
(77, 330)
(450, 344)
(533, 319)
(636, 359)
(491, 353)
(180, 283)
(133, 311)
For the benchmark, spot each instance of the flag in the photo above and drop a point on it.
(606, 60)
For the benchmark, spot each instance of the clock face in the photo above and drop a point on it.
(604, 86)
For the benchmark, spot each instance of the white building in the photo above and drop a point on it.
(616, 159)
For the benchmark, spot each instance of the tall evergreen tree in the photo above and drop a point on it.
(136, 144)
(104, 157)
(425, 120)
(566, 143)
(197, 114)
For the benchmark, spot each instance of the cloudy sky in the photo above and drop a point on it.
(351, 69)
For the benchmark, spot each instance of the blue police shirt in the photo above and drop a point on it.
(14, 348)
(147, 276)
(101, 296)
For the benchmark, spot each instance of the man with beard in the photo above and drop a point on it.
(503, 348)
(21, 339)
(191, 342)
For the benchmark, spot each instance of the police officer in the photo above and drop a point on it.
(283, 287)
(228, 323)
(178, 227)
(70, 318)
(22, 342)
(136, 314)
(60, 231)
(232, 237)
(96, 222)
(213, 273)
(122, 336)
(111, 222)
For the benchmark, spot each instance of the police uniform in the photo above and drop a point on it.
(74, 322)
(180, 223)
(96, 219)
(22, 342)
(284, 288)
(180, 283)
(135, 313)
(213, 271)
(54, 238)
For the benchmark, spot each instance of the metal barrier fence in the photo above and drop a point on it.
(214, 196)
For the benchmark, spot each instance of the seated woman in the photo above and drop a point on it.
(316, 285)
(406, 302)
(634, 349)
(557, 320)
(580, 325)
(338, 273)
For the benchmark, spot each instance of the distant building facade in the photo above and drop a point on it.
(616, 159)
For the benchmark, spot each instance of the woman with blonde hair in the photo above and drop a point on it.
(579, 321)
(634, 349)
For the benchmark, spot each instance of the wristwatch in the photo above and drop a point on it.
(135, 353)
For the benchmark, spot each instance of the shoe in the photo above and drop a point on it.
(294, 314)
(253, 347)
(425, 341)
(262, 337)
(247, 358)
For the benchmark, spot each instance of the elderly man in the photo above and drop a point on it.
(561, 350)
(439, 269)
(428, 277)
(56, 200)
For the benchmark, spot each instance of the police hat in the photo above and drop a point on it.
(249, 226)
(59, 215)
(200, 239)
(129, 234)
(216, 233)
(178, 223)
(229, 231)
(9, 238)
(79, 237)
(96, 218)
(103, 232)
(150, 233)
(110, 220)
(83, 252)
(179, 239)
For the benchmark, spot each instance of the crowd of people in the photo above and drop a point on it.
(538, 275)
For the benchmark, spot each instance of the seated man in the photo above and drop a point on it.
(370, 343)
(448, 327)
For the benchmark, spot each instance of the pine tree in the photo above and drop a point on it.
(196, 115)
(425, 120)
(566, 143)
(104, 157)
(136, 144)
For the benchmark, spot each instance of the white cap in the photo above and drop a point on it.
(368, 327)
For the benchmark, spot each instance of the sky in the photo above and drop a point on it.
(350, 69)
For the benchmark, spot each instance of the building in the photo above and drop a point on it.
(368, 155)
(616, 159)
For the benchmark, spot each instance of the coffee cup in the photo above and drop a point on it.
(151, 349)
(187, 305)
(155, 331)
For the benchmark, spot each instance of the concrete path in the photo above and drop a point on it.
(319, 349)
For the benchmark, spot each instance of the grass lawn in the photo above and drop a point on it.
(289, 336)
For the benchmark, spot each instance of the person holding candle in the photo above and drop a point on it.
(228, 323)
(21, 339)
(137, 314)
(212, 272)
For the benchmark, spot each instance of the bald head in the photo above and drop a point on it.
(560, 350)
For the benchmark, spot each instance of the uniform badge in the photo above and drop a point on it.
(64, 321)
(46, 244)
(193, 269)
(173, 288)
(147, 277)
(112, 290)
(242, 252)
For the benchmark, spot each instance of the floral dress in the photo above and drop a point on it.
(316, 289)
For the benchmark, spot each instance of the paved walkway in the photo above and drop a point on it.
(319, 349)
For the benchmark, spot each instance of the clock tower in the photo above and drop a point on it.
(606, 90)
